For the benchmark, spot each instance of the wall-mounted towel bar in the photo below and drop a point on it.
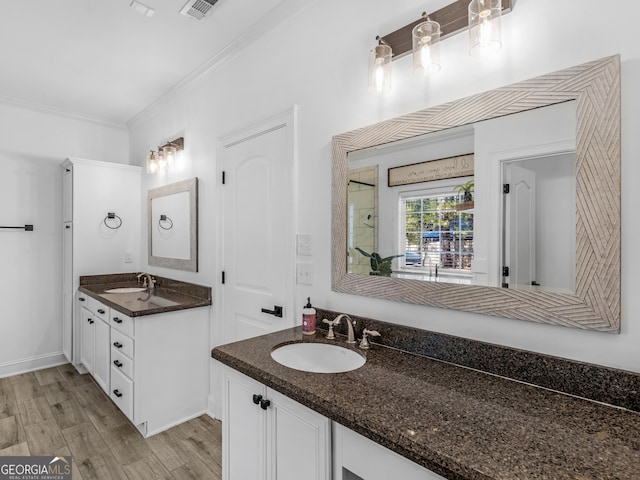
(26, 228)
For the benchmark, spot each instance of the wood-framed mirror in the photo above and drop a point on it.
(173, 225)
(594, 303)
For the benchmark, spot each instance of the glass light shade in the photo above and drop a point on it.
(169, 154)
(485, 33)
(162, 163)
(426, 48)
(380, 69)
(152, 162)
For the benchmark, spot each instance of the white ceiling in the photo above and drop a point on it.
(103, 60)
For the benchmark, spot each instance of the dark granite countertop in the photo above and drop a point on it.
(455, 421)
(169, 296)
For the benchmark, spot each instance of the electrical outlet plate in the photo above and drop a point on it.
(304, 273)
(303, 244)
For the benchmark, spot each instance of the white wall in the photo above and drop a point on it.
(32, 147)
(318, 60)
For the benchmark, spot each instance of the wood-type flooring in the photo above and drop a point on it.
(57, 411)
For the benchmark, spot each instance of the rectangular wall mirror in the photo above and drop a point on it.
(173, 225)
(504, 203)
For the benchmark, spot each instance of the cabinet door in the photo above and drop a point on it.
(87, 350)
(67, 194)
(102, 354)
(298, 441)
(243, 424)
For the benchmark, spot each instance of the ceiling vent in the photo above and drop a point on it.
(198, 9)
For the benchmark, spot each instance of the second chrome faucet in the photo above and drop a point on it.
(351, 337)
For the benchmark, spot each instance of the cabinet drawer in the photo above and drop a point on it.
(122, 392)
(122, 322)
(97, 308)
(121, 362)
(121, 343)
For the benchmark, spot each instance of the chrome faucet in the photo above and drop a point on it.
(364, 341)
(351, 336)
(149, 281)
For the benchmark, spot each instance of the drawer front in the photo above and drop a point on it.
(121, 343)
(122, 322)
(102, 311)
(122, 392)
(121, 362)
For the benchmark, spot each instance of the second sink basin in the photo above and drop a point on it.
(126, 290)
(318, 357)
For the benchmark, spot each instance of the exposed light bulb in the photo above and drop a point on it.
(426, 47)
(484, 26)
(380, 69)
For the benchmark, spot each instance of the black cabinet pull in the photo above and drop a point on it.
(117, 344)
(101, 311)
(257, 398)
(90, 321)
(277, 311)
(117, 320)
(81, 299)
(264, 404)
(117, 363)
(117, 393)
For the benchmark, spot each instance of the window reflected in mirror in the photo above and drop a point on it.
(438, 237)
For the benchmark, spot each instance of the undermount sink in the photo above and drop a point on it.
(318, 357)
(161, 302)
(126, 290)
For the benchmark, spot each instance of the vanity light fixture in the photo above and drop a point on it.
(422, 37)
(166, 157)
(485, 33)
(380, 67)
(426, 47)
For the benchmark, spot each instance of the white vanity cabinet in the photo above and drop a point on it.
(159, 367)
(153, 367)
(95, 333)
(267, 436)
(357, 458)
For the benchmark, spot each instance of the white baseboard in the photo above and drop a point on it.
(211, 406)
(25, 365)
(155, 431)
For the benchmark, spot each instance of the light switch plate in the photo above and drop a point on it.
(303, 244)
(304, 273)
(128, 258)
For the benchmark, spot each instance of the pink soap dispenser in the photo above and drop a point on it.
(308, 318)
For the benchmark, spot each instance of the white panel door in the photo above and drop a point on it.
(258, 245)
(520, 225)
(244, 428)
(102, 353)
(299, 441)
(87, 327)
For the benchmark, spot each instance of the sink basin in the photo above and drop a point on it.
(318, 357)
(125, 290)
(161, 302)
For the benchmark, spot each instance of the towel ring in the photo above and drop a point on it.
(164, 218)
(112, 216)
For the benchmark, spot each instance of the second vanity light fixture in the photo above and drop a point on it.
(166, 157)
(422, 37)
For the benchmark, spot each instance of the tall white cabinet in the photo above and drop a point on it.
(93, 243)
